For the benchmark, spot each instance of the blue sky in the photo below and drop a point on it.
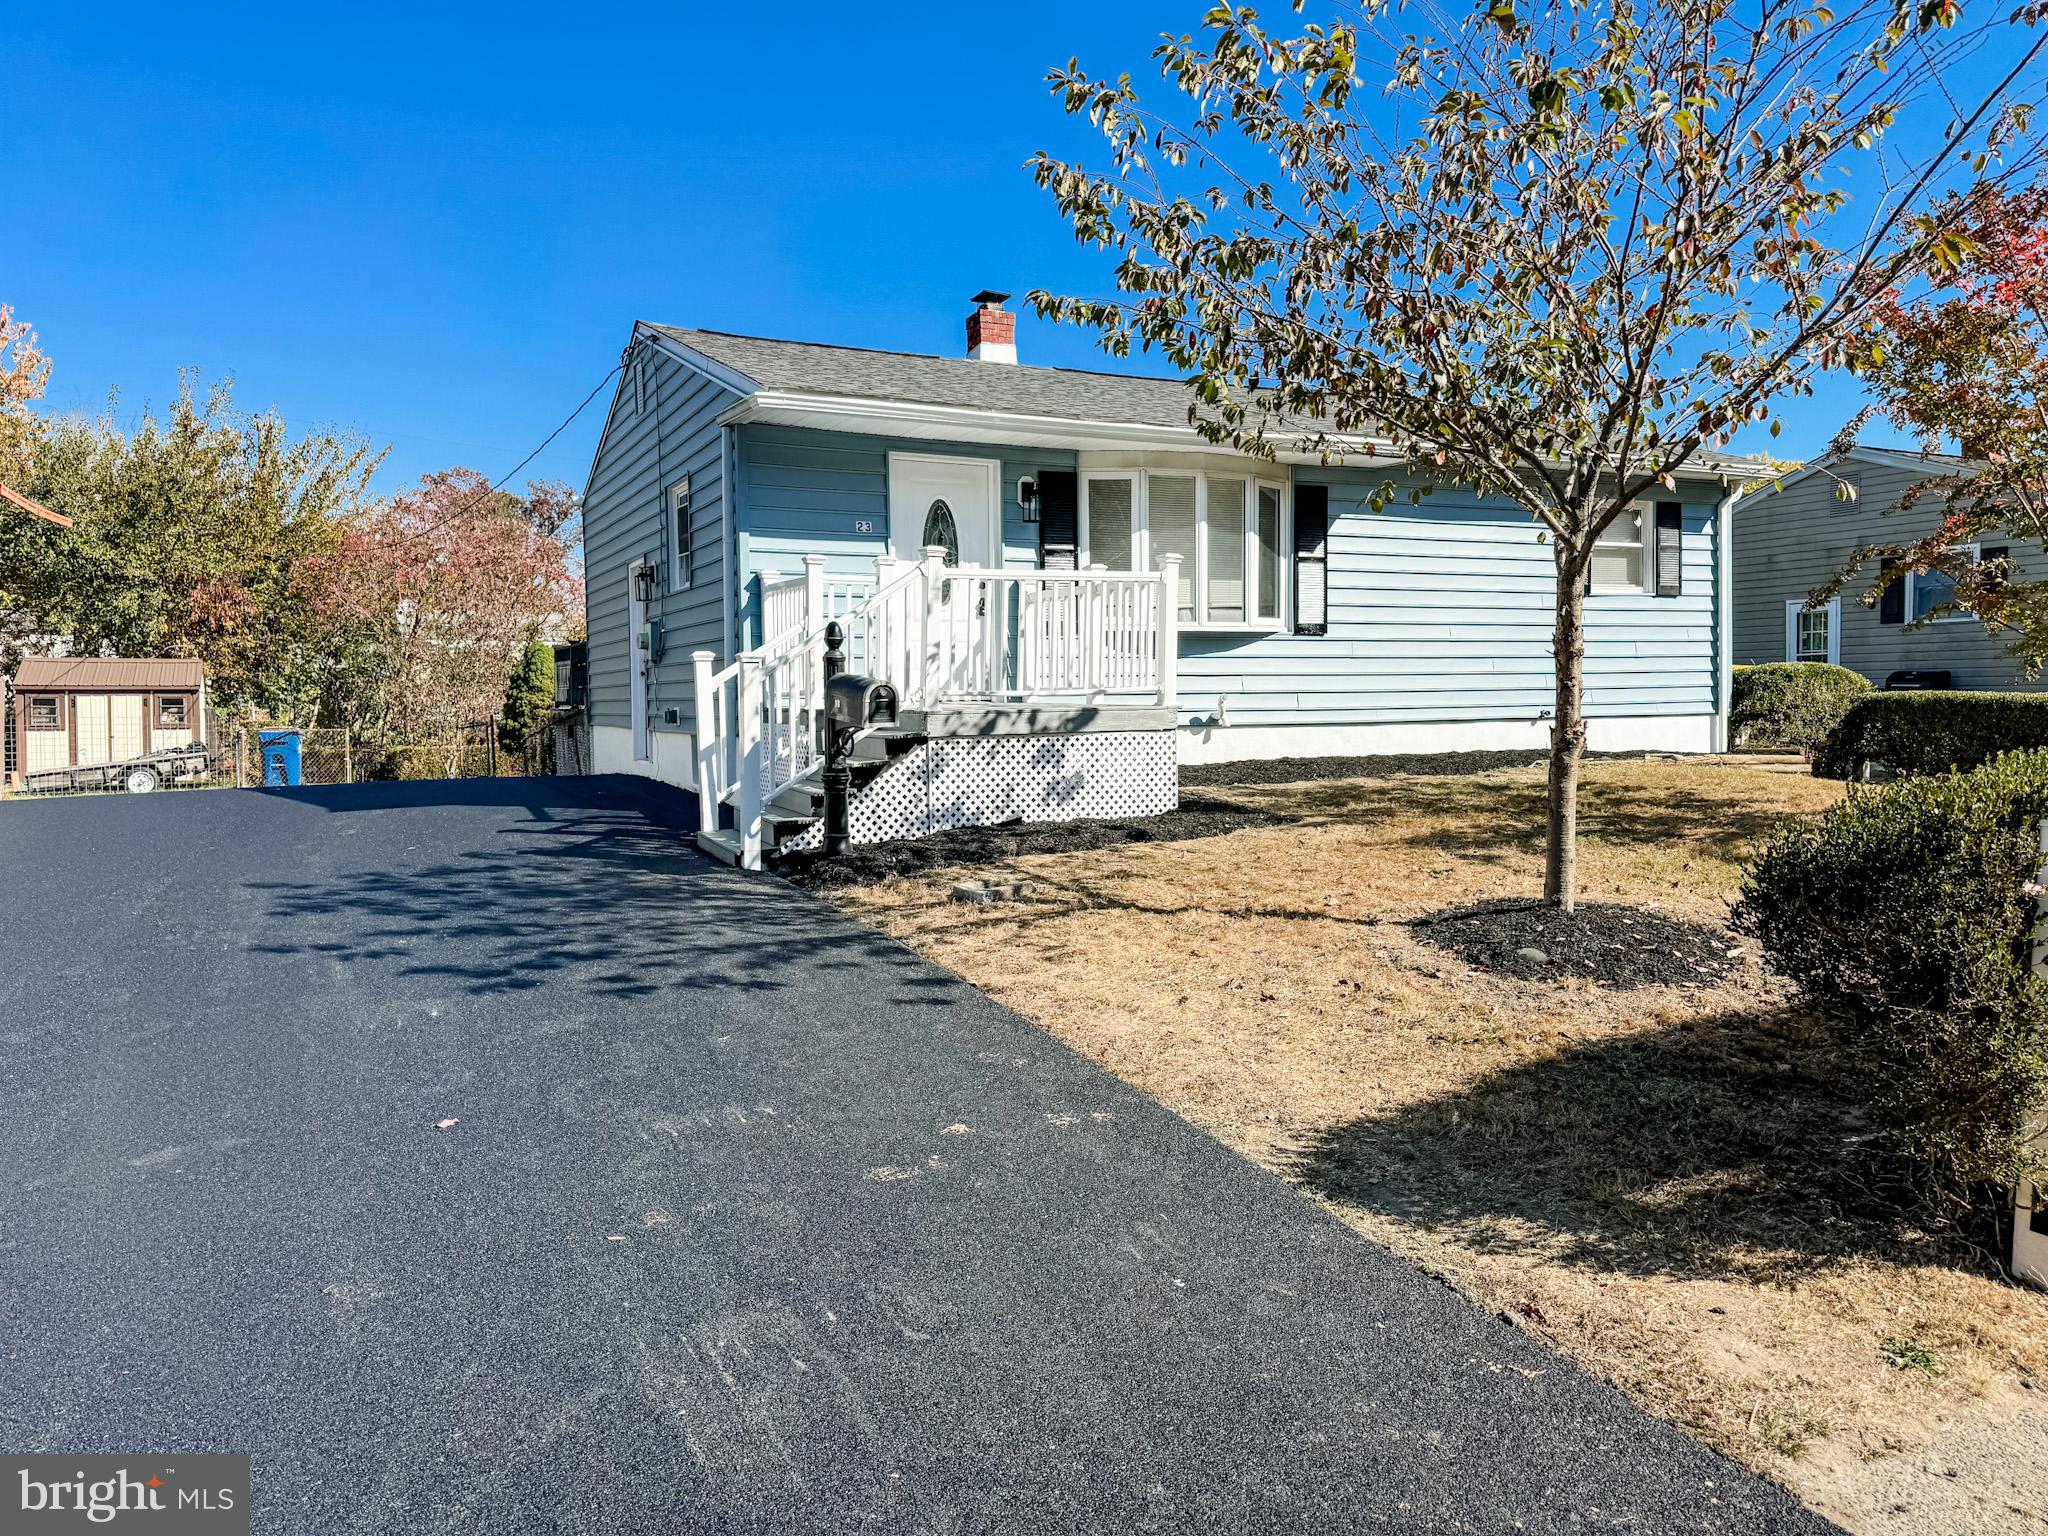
(434, 224)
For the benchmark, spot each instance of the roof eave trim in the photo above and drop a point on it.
(972, 424)
(961, 423)
(712, 369)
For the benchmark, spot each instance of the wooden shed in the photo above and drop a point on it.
(78, 711)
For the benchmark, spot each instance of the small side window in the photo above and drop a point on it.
(681, 535)
(45, 714)
(170, 714)
(1617, 564)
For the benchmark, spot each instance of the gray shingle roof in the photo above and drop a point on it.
(1069, 393)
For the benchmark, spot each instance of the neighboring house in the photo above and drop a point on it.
(79, 711)
(1794, 537)
(745, 490)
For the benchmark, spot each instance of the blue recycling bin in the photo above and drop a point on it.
(280, 753)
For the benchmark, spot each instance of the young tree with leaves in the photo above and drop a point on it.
(1966, 362)
(447, 583)
(1562, 257)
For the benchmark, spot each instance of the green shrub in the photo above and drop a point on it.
(529, 697)
(1905, 912)
(1914, 733)
(1792, 704)
(416, 762)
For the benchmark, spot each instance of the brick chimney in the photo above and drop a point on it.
(991, 329)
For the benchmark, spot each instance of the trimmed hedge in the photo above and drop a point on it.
(1905, 912)
(1914, 733)
(1792, 704)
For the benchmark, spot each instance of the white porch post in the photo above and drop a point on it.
(814, 625)
(1169, 631)
(747, 729)
(763, 581)
(814, 593)
(929, 633)
(882, 637)
(708, 745)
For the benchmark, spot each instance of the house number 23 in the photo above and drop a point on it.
(863, 525)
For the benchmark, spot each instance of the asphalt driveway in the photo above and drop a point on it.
(749, 1219)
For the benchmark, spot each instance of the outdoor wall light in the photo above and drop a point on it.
(1027, 498)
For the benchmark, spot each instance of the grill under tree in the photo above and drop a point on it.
(1558, 253)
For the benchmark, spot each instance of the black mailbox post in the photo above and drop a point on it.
(852, 704)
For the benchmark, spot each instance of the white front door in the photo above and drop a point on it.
(954, 505)
(946, 501)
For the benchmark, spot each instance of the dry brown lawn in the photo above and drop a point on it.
(1669, 1184)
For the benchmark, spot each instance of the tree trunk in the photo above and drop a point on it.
(1567, 736)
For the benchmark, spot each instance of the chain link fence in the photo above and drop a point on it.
(233, 757)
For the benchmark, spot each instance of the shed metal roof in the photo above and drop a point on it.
(141, 673)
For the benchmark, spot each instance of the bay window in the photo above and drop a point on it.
(1230, 532)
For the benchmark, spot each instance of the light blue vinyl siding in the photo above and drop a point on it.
(1443, 612)
(625, 518)
(804, 491)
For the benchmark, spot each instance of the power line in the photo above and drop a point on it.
(492, 487)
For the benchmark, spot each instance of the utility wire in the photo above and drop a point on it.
(492, 487)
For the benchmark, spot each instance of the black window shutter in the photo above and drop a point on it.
(1311, 559)
(1670, 549)
(1059, 519)
(1891, 607)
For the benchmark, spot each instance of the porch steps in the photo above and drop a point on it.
(1083, 662)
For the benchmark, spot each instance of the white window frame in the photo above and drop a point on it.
(1794, 607)
(1141, 557)
(1283, 588)
(682, 565)
(1913, 591)
(1646, 522)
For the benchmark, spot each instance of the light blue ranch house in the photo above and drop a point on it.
(1072, 592)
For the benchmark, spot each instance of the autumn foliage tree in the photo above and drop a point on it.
(445, 585)
(188, 530)
(1560, 252)
(1965, 361)
(24, 374)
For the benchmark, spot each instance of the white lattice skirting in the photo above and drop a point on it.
(978, 781)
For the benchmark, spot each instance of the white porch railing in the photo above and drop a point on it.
(806, 599)
(941, 635)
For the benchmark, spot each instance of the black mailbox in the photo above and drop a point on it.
(853, 702)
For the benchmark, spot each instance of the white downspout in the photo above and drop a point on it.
(1724, 615)
(728, 460)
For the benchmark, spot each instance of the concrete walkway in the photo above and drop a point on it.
(748, 1219)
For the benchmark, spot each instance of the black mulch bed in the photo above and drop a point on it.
(1302, 770)
(871, 863)
(1617, 945)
